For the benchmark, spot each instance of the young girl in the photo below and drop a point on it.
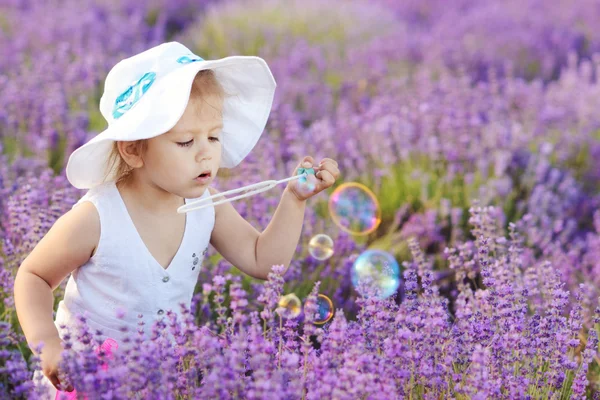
(174, 120)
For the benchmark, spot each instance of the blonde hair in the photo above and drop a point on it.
(205, 84)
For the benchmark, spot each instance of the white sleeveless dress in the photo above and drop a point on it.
(124, 275)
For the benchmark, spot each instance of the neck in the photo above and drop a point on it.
(149, 197)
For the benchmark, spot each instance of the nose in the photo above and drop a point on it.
(204, 151)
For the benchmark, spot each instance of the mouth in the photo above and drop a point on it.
(205, 174)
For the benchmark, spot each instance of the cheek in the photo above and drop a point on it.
(166, 159)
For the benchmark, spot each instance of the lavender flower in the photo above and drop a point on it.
(476, 125)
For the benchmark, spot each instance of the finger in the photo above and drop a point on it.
(336, 173)
(306, 162)
(54, 380)
(67, 386)
(328, 160)
(64, 387)
(62, 383)
(326, 177)
(333, 170)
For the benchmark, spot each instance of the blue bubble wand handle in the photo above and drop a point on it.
(250, 189)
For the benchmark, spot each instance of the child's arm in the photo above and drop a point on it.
(67, 245)
(252, 252)
(255, 253)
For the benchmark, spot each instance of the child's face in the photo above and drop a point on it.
(175, 159)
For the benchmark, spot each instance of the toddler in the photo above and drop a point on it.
(173, 119)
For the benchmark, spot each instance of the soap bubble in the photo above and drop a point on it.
(320, 247)
(376, 272)
(324, 309)
(290, 306)
(355, 209)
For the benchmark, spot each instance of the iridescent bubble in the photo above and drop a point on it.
(355, 209)
(324, 309)
(290, 306)
(376, 272)
(320, 247)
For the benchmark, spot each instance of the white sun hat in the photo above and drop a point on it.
(146, 95)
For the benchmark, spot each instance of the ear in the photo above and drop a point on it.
(129, 152)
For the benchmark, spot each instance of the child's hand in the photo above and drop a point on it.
(326, 172)
(50, 358)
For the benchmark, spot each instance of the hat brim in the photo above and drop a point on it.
(249, 84)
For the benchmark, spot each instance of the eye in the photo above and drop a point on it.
(214, 139)
(185, 144)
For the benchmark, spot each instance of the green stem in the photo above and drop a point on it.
(280, 342)
(305, 371)
(265, 329)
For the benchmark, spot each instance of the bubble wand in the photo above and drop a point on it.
(253, 189)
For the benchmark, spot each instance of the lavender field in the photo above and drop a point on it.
(475, 123)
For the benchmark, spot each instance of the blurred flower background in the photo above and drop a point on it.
(475, 125)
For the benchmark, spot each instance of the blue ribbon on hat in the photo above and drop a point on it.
(190, 58)
(126, 100)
